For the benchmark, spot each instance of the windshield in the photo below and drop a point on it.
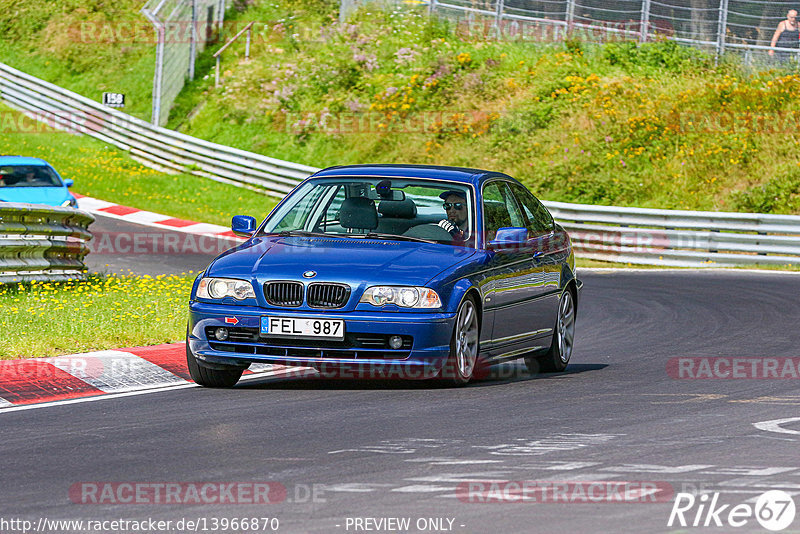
(28, 176)
(396, 208)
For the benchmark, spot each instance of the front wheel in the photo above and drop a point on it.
(461, 363)
(213, 378)
(558, 356)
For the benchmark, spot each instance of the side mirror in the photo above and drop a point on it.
(509, 238)
(243, 225)
(69, 182)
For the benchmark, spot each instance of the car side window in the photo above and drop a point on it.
(538, 219)
(499, 209)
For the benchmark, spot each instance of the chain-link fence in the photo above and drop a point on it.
(183, 27)
(743, 26)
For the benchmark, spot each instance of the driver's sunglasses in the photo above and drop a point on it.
(456, 205)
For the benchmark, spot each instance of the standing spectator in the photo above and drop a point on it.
(787, 35)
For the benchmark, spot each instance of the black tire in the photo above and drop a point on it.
(212, 378)
(557, 358)
(464, 345)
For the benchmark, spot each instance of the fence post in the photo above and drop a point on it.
(431, 7)
(247, 45)
(721, 26)
(193, 40)
(644, 23)
(221, 7)
(158, 75)
(498, 16)
(570, 16)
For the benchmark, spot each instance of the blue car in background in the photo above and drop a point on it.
(389, 271)
(34, 181)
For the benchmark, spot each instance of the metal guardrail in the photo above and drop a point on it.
(42, 242)
(609, 233)
(680, 238)
(154, 146)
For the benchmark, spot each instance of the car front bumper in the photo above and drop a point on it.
(426, 348)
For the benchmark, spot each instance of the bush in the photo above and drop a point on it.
(660, 54)
(780, 194)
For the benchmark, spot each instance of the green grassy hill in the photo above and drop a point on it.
(657, 126)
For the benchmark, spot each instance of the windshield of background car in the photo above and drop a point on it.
(28, 176)
(406, 207)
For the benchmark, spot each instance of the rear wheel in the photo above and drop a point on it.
(213, 378)
(464, 345)
(560, 352)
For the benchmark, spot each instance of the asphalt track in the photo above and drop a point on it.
(122, 247)
(375, 449)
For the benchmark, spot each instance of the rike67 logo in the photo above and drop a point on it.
(774, 510)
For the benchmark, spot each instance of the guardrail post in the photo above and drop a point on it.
(431, 7)
(216, 74)
(721, 27)
(644, 23)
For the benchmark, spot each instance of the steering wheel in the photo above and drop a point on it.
(431, 231)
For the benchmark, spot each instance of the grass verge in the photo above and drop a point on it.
(102, 312)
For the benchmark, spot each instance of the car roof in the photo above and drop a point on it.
(21, 160)
(455, 174)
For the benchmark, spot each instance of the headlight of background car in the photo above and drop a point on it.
(70, 203)
(219, 288)
(406, 297)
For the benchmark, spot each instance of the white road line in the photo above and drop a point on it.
(453, 461)
(423, 488)
(775, 425)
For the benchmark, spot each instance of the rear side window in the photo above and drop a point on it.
(499, 209)
(538, 219)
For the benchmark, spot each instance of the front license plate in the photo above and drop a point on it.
(301, 327)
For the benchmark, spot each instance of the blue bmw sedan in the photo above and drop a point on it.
(399, 271)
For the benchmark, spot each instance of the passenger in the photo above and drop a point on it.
(455, 207)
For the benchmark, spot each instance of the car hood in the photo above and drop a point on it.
(52, 196)
(352, 261)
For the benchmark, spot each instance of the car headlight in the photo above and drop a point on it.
(70, 203)
(406, 297)
(219, 288)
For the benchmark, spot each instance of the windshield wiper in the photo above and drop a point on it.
(373, 235)
(303, 233)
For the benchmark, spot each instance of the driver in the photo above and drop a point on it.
(455, 207)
